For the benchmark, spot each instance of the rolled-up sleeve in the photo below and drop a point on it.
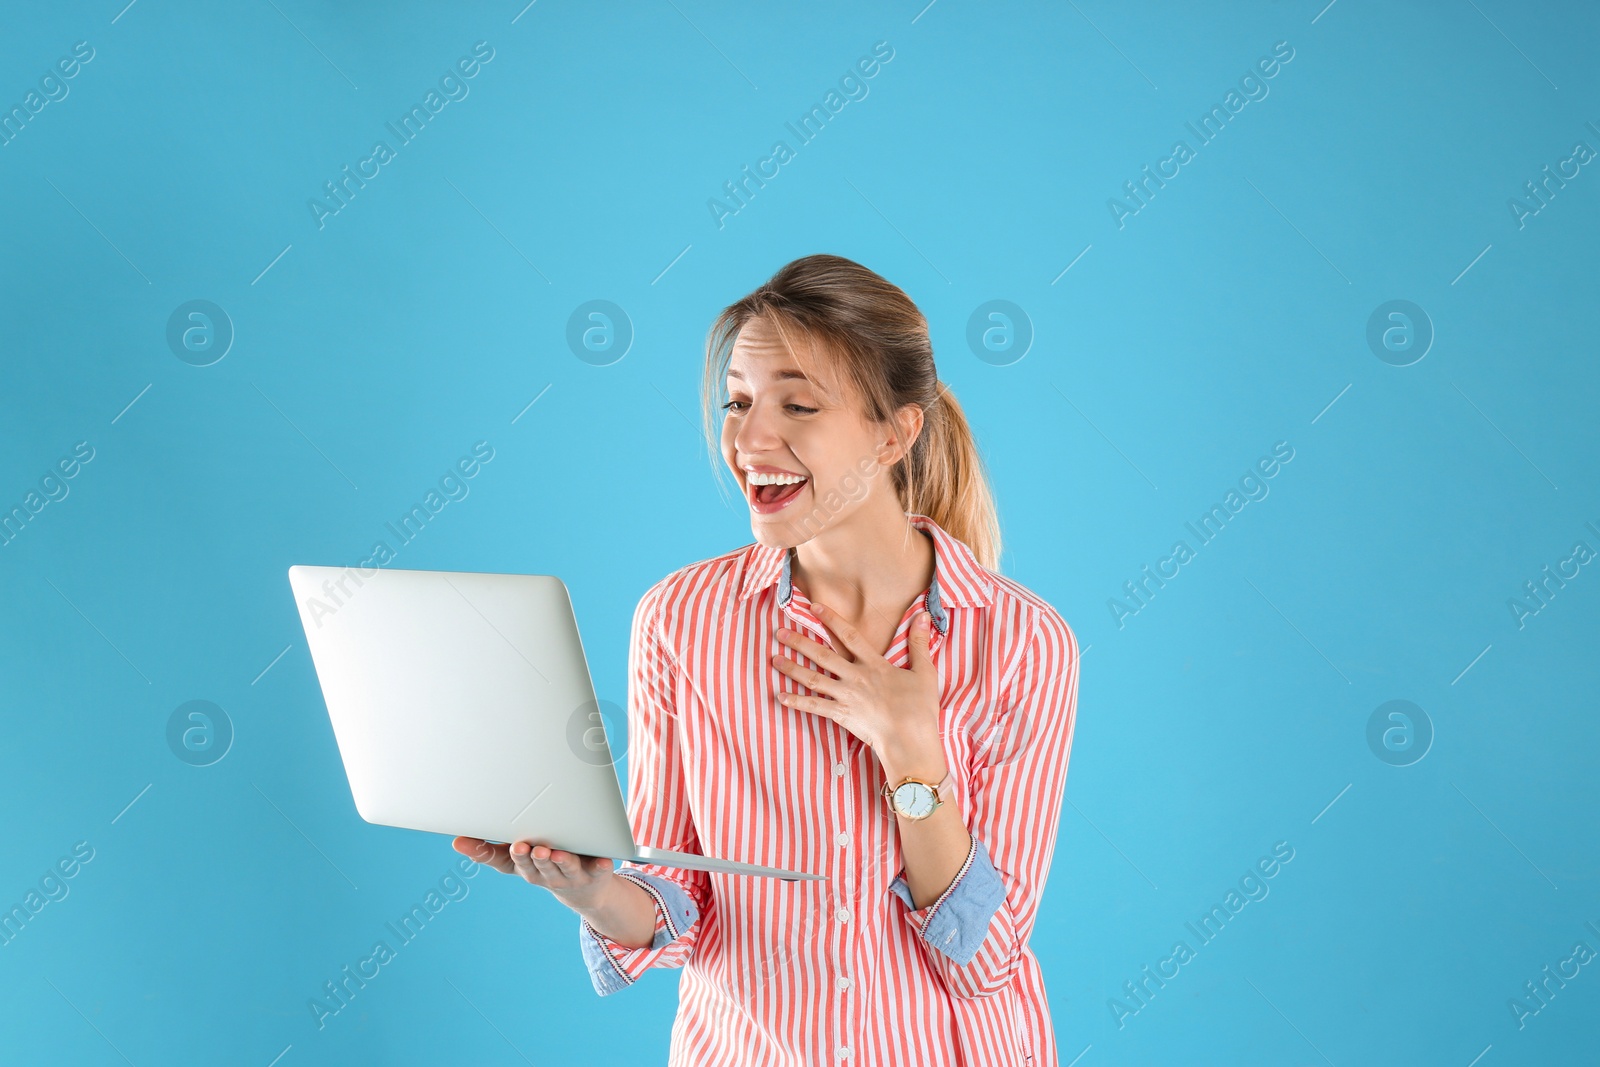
(658, 813)
(958, 922)
(610, 964)
(975, 932)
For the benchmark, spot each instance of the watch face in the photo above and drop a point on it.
(914, 800)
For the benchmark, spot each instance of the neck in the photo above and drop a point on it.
(873, 561)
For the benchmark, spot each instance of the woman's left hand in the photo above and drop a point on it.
(893, 710)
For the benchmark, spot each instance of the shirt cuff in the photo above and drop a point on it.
(957, 923)
(608, 960)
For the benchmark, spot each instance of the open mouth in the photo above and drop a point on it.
(770, 492)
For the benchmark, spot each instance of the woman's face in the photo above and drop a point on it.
(781, 427)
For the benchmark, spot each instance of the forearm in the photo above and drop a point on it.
(625, 912)
(932, 849)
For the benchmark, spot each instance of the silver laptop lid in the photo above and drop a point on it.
(462, 704)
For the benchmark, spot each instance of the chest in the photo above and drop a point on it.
(877, 631)
(733, 730)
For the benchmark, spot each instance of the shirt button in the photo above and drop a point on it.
(838, 770)
(843, 839)
(844, 1053)
(843, 915)
(843, 983)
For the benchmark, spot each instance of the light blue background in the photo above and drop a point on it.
(1229, 714)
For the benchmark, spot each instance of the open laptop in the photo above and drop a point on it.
(462, 704)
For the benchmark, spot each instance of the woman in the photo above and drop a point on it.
(856, 694)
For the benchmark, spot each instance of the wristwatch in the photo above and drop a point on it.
(915, 799)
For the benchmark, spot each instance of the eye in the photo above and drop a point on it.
(739, 406)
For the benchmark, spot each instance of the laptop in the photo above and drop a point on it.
(462, 704)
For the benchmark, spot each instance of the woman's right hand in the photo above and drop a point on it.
(577, 881)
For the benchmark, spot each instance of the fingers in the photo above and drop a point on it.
(817, 652)
(813, 680)
(522, 859)
(496, 856)
(566, 864)
(553, 868)
(816, 705)
(539, 864)
(847, 635)
(921, 636)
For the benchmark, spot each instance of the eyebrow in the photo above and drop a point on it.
(783, 375)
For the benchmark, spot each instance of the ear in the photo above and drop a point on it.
(903, 431)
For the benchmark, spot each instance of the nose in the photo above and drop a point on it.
(756, 431)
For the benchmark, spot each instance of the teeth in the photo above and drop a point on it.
(756, 478)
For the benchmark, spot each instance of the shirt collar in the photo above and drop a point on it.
(958, 578)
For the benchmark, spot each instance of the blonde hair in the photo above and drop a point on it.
(880, 341)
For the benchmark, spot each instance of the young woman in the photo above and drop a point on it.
(857, 693)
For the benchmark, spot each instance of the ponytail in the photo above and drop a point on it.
(945, 479)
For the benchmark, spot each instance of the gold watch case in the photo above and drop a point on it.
(913, 798)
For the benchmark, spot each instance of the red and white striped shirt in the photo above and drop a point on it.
(841, 971)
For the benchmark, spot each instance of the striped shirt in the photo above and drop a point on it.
(842, 970)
